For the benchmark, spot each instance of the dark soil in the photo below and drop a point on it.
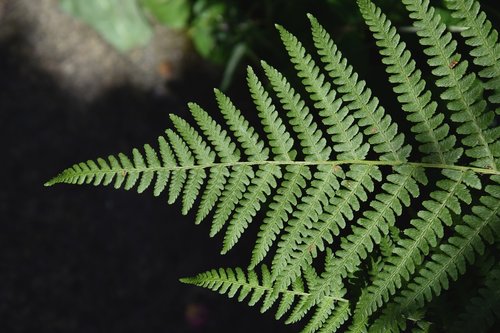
(85, 259)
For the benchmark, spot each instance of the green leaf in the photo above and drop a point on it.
(120, 22)
(172, 13)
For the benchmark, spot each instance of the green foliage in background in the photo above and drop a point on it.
(225, 32)
(120, 22)
(218, 27)
(363, 226)
(171, 13)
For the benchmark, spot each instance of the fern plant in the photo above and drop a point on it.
(363, 225)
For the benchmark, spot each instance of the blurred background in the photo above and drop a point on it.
(81, 79)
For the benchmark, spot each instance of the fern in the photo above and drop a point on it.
(484, 41)
(450, 260)
(462, 89)
(395, 218)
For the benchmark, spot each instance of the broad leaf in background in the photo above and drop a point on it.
(120, 22)
(171, 13)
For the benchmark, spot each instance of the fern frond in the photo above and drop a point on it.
(286, 199)
(121, 169)
(410, 85)
(347, 142)
(204, 155)
(422, 327)
(358, 324)
(195, 142)
(463, 91)
(387, 143)
(390, 279)
(330, 169)
(339, 316)
(168, 159)
(313, 144)
(265, 178)
(433, 134)
(427, 230)
(451, 261)
(254, 147)
(279, 139)
(294, 178)
(483, 38)
(324, 180)
(401, 186)
(257, 193)
(215, 187)
(384, 136)
(388, 282)
(470, 237)
(232, 194)
(342, 205)
(228, 152)
(322, 188)
(226, 149)
(235, 282)
(195, 176)
(388, 242)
